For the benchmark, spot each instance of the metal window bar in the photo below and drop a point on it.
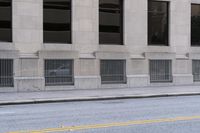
(196, 70)
(113, 71)
(160, 71)
(59, 72)
(6, 73)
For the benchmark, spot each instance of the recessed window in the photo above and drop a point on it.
(58, 72)
(113, 71)
(57, 21)
(111, 22)
(160, 71)
(195, 25)
(5, 21)
(196, 70)
(158, 22)
(6, 73)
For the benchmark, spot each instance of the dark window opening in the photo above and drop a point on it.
(111, 22)
(158, 22)
(5, 21)
(6, 73)
(195, 25)
(160, 71)
(58, 72)
(57, 21)
(113, 71)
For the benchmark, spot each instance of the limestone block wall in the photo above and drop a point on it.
(29, 51)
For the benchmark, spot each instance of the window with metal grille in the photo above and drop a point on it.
(113, 71)
(5, 21)
(158, 22)
(57, 21)
(160, 70)
(6, 73)
(58, 72)
(196, 70)
(111, 22)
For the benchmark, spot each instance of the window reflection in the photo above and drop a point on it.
(57, 21)
(157, 23)
(110, 22)
(58, 72)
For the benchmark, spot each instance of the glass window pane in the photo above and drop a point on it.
(157, 23)
(195, 25)
(110, 21)
(57, 21)
(5, 21)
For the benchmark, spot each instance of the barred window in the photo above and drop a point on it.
(6, 73)
(57, 21)
(111, 22)
(113, 71)
(160, 71)
(5, 21)
(196, 70)
(58, 72)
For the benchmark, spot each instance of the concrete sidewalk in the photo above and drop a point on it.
(96, 94)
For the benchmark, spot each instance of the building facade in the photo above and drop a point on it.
(89, 44)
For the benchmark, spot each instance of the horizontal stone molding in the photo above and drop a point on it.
(58, 54)
(186, 75)
(9, 54)
(194, 56)
(87, 77)
(29, 78)
(28, 56)
(160, 55)
(112, 55)
(182, 56)
(87, 56)
(137, 56)
(135, 76)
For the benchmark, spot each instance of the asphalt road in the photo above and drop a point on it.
(151, 115)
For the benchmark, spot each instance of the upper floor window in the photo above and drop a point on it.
(195, 25)
(158, 22)
(111, 22)
(5, 21)
(57, 21)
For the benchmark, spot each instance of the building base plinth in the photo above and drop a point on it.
(138, 80)
(183, 79)
(87, 82)
(24, 84)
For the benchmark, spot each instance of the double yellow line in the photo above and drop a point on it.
(110, 125)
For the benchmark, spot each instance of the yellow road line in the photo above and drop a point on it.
(109, 125)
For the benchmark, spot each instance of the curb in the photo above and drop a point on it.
(79, 99)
